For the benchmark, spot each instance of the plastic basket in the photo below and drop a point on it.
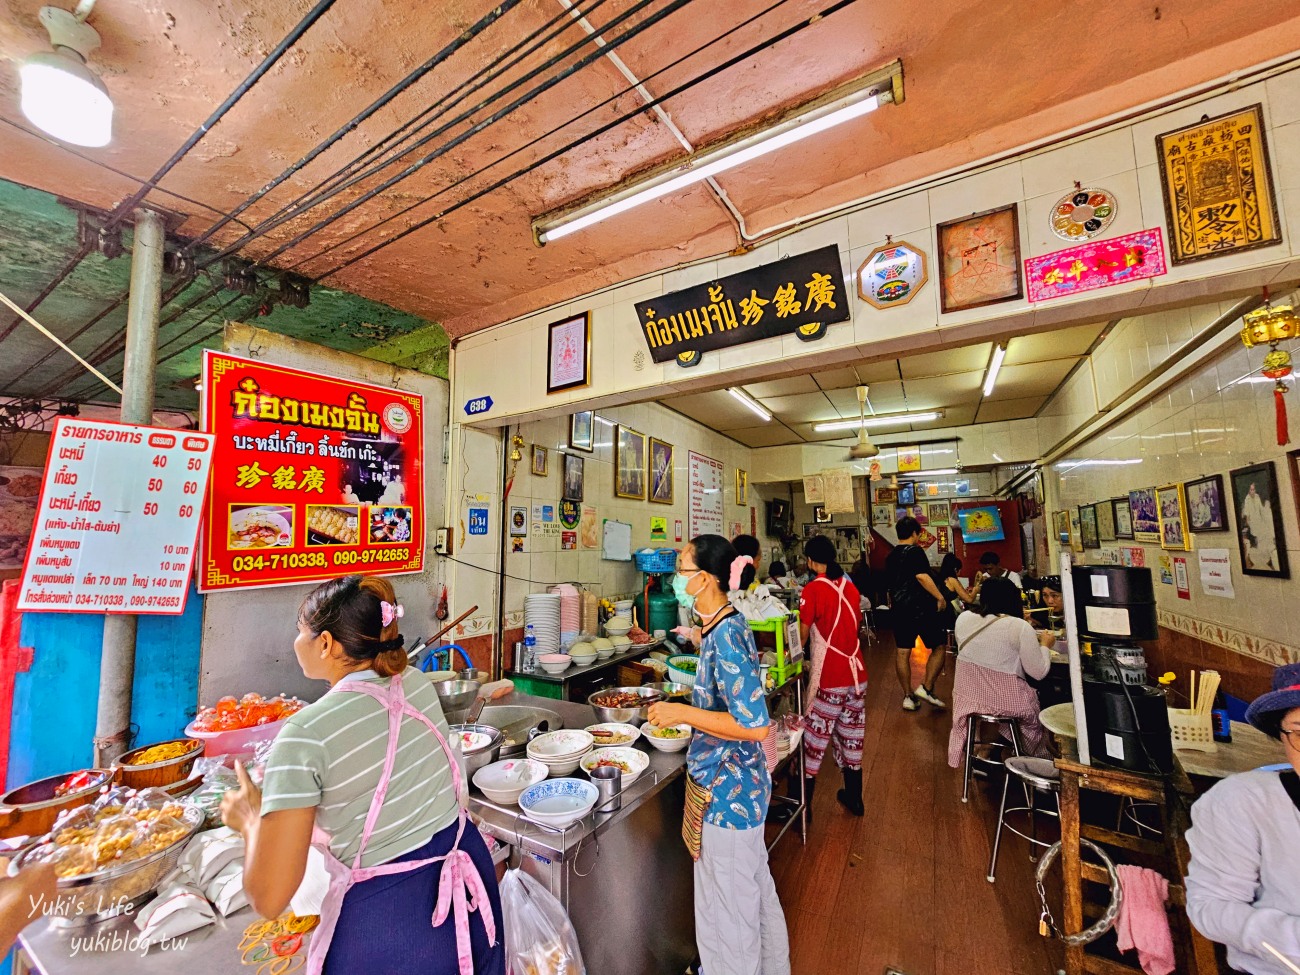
(1192, 730)
(661, 561)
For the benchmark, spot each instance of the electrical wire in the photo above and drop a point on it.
(480, 126)
(729, 63)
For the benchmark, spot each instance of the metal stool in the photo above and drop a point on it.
(1037, 775)
(973, 721)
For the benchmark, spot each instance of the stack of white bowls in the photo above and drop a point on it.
(542, 612)
(570, 612)
(561, 751)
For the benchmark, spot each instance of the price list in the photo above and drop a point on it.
(118, 519)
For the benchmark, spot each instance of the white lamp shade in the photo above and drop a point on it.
(65, 98)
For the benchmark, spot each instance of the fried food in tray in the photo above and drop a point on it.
(334, 524)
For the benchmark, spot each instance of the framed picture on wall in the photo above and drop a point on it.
(629, 463)
(1063, 527)
(979, 259)
(1105, 521)
(1088, 526)
(661, 472)
(1173, 518)
(582, 431)
(1146, 517)
(820, 516)
(742, 487)
(1076, 531)
(541, 460)
(568, 353)
(1293, 458)
(882, 514)
(907, 494)
(1123, 517)
(573, 478)
(886, 495)
(1205, 509)
(1259, 521)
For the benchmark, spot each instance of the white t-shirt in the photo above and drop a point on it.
(1006, 644)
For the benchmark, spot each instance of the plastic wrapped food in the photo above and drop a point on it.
(148, 799)
(231, 714)
(68, 861)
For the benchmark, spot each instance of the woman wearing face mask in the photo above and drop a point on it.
(368, 777)
(739, 926)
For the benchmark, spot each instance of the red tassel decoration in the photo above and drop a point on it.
(1279, 406)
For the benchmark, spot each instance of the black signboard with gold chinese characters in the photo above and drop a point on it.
(801, 294)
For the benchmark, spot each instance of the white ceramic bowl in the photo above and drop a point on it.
(554, 663)
(683, 676)
(559, 802)
(504, 782)
(558, 746)
(582, 659)
(618, 626)
(620, 641)
(555, 769)
(581, 648)
(628, 732)
(635, 760)
(666, 744)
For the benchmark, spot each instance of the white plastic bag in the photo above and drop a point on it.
(540, 939)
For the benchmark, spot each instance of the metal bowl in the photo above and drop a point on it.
(470, 673)
(671, 690)
(519, 724)
(476, 758)
(456, 695)
(636, 716)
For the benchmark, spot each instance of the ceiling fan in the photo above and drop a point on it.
(864, 448)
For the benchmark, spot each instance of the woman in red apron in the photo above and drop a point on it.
(829, 618)
(367, 776)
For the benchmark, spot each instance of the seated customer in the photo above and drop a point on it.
(1243, 882)
(991, 568)
(776, 575)
(1048, 616)
(996, 650)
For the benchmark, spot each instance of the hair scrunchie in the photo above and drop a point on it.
(737, 569)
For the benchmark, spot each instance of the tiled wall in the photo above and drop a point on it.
(1211, 422)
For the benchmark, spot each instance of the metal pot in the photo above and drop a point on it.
(636, 716)
(30, 810)
(476, 758)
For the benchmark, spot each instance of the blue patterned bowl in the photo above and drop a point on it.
(558, 802)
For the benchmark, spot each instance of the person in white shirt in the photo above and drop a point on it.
(1243, 881)
(991, 568)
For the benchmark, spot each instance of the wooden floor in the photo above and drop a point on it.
(903, 888)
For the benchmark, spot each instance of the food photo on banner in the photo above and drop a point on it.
(313, 476)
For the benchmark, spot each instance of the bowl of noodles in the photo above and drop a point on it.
(259, 528)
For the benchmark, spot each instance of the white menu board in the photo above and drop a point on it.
(705, 495)
(117, 520)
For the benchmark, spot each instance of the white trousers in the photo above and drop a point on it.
(739, 924)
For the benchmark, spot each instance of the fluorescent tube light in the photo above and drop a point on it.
(886, 420)
(934, 473)
(995, 366)
(841, 105)
(752, 403)
(1072, 464)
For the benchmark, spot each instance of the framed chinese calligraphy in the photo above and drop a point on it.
(568, 353)
(979, 259)
(1217, 187)
(800, 295)
(892, 275)
(1101, 264)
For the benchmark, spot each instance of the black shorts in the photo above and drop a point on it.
(930, 629)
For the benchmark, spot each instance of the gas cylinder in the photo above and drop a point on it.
(662, 614)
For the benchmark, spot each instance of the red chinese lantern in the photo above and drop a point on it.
(1270, 325)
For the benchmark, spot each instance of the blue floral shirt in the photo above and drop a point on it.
(736, 771)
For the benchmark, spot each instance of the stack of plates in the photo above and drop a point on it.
(561, 751)
(570, 611)
(542, 612)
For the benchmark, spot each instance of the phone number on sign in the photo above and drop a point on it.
(371, 555)
(162, 602)
(290, 560)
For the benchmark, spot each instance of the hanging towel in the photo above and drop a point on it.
(1142, 922)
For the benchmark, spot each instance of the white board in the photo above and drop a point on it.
(704, 495)
(617, 541)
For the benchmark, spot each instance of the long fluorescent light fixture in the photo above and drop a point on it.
(934, 473)
(752, 403)
(995, 366)
(849, 101)
(887, 420)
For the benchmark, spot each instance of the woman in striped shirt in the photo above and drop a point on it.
(326, 786)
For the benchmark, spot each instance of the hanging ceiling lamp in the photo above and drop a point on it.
(1270, 325)
(61, 94)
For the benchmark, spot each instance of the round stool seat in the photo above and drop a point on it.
(1041, 773)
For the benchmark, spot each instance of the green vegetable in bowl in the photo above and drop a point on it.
(686, 666)
(669, 733)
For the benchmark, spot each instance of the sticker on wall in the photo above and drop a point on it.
(658, 529)
(589, 528)
(892, 275)
(478, 521)
(570, 514)
(677, 530)
(1083, 214)
(518, 521)
(963, 488)
(519, 545)
(1181, 580)
(568, 541)
(1166, 571)
(909, 459)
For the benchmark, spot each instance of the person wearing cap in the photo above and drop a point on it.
(1243, 881)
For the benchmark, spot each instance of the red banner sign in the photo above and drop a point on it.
(312, 477)
(1098, 264)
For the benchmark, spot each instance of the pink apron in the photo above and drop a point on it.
(821, 646)
(460, 888)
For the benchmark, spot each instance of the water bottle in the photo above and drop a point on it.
(530, 648)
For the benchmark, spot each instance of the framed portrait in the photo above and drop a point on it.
(1105, 521)
(1123, 513)
(885, 495)
(1256, 504)
(1173, 518)
(573, 478)
(742, 487)
(1217, 187)
(819, 514)
(541, 460)
(661, 472)
(979, 259)
(1205, 508)
(1146, 518)
(1063, 527)
(582, 431)
(907, 494)
(938, 512)
(882, 514)
(1076, 531)
(1293, 458)
(1088, 526)
(568, 353)
(629, 463)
